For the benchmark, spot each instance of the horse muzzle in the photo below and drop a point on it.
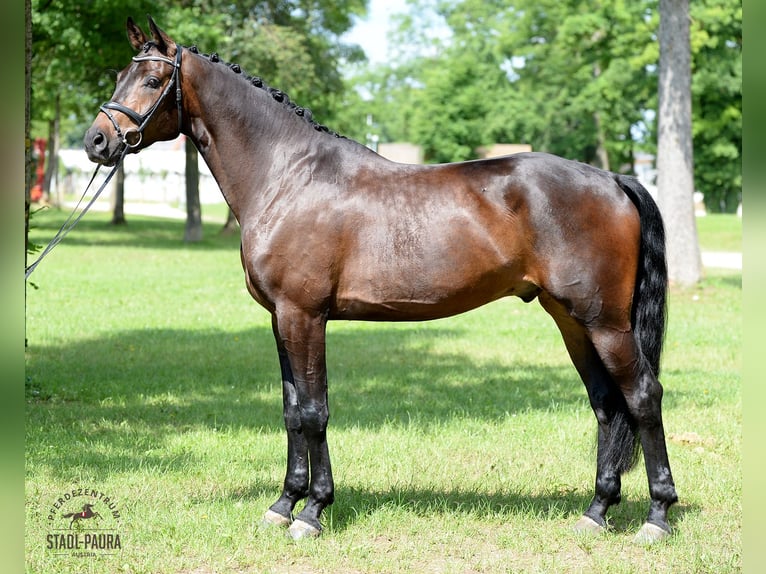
(101, 147)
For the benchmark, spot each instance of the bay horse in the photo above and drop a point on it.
(330, 230)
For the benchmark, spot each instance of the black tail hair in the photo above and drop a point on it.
(648, 317)
(649, 313)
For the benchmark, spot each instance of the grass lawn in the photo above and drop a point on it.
(459, 445)
(720, 232)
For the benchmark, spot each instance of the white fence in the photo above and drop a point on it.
(155, 175)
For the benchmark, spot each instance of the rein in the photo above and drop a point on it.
(130, 138)
(69, 223)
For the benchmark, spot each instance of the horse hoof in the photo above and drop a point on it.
(299, 530)
(650, 533)
(271, 519)
(586, 525)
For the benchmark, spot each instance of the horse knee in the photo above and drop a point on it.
(292, 418)
(314, 418)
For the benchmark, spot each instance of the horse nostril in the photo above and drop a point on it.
(99, 141)
(95, 141)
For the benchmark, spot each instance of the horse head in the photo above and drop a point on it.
(139, 112)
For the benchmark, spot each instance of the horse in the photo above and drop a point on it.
(330, 230)
(87, 512)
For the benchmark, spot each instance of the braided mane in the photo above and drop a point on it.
(278, 95)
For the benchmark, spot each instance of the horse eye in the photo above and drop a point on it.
(152, 82)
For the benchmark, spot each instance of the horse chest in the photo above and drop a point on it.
(286, 269)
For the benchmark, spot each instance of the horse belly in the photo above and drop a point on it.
(428, 283)
(410, 307)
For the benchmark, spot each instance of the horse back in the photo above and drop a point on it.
(405, 242)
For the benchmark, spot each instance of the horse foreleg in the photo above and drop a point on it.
(301, 338)
(296, 483)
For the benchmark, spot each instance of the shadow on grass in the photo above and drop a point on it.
(135, 389)
(138, 232)
(354, 507)
(113, 405)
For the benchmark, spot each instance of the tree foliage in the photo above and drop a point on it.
(578, 79)
(566, 77)
(293, 44)
(77, 48)
(716, 36)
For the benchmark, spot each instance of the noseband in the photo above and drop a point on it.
(132, 137)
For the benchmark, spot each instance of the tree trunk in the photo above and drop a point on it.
(118, 197)
(27, 139)
(601, 154)
(193, 231)
(231, 225)
(675, 165)
(50, 181)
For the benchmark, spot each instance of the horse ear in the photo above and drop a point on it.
(162, 40)
(135, 35)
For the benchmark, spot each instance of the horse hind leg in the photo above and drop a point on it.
(643, 395)
(617, 438)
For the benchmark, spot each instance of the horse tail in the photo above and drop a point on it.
(648, 318)
(649, 312)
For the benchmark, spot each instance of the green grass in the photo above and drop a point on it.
(459, 445)
(720, 232)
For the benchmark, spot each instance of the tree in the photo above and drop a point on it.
(568, 78)
(77, 47)
(294, 44)
(579, 79)
(118, 197)
(675, 166)
(193, 231)
(27, 138)
(584, 71)
(716, 38)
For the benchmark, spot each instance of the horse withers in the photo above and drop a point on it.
(330, 230)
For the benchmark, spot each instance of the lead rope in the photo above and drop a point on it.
(70, 223)
(142, 121)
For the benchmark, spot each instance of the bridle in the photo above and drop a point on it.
(132, 137)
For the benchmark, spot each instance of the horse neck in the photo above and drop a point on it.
(249, 141)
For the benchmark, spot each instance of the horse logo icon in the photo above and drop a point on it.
(87, 512)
